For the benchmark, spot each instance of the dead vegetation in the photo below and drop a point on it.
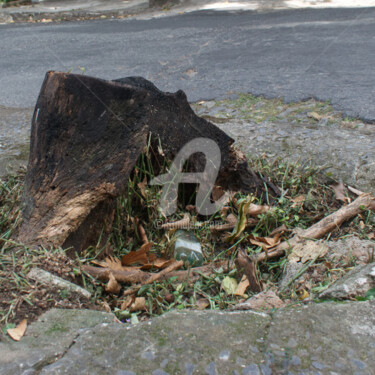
(247, 247)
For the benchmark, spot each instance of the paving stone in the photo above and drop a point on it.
(325, 338)
(47, 339)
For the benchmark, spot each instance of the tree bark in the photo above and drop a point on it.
(86, 137)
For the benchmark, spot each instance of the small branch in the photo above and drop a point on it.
(324, 226)
(198, 271)
(154, 277)
(122, 276)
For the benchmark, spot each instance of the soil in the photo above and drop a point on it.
(35, 299)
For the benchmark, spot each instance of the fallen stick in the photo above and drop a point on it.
(197, 271)
(154, 277)
(122, 276)
(324, 226)
(138, 276)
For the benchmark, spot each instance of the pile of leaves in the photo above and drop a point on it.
(247, 247)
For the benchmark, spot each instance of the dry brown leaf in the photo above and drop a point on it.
(180, 224)
(246, 265)
(112, 287)
(139, 304)
(371, 235)
(106, 306)
(298, 201)
(158, 263)
(128, 301)
(266, 242)
(242, 286)
(281, 229)
(113, 263)
(308, 250)
(17, 333)
(203, 303)
(190, 208)
(142, 187)
(230, 224)
(139, 256)
(340, 190)
(256, 209)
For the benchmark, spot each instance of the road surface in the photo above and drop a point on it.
(328, 54)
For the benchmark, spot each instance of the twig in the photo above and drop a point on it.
(198, 271)
(154, 277)
(324, 226)
(122, 276)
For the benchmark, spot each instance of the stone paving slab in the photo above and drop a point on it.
(325, 338)
(47, 339)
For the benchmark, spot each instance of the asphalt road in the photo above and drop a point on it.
(328, 54)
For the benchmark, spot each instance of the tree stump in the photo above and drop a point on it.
(86, 137)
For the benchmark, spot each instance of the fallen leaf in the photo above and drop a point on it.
(190, 208)
(17, 333)
(106, 306)
(308, 250)
(242, 219)
(339, 190)
(230, 224)
(247, 265)
(371, 235)
(142, 187)
(139, 304)
(113, 263)
(139, 256)
(298, 201)
(242, 286)
(203, 303)
(112, 287)
(256, 209)
(266, 242)
(303, 294)
(281, 229)
(158, 263)
(229, 285)
(134, 319)
(180, 224)
(142, 233)
(128, 301)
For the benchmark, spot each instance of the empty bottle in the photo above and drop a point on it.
(188, 249)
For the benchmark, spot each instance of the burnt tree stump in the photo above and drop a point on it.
(86, 137)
